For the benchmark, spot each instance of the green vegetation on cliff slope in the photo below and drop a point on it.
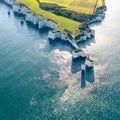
(64, 24)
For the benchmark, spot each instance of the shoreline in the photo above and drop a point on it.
(41, 22)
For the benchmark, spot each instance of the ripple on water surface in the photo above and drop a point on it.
(40, 81)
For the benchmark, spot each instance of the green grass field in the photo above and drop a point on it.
(64, 3)
(100, 3)
(64, 24)
(82, 6)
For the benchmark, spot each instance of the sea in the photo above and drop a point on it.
(39, 80)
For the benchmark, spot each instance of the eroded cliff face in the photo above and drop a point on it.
(41, 22)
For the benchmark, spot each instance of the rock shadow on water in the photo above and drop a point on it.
(88, 42)
(59, 44)
(76, 64)
(97, 23)
(44, 30)
(18, 16)
(87, 76)
(83, 79)
(90, 75)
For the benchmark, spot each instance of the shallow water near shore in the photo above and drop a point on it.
(39, 80)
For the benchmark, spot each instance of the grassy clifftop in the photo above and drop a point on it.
(64, 24)
(81, 6)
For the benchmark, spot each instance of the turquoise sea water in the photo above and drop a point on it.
(39, 81)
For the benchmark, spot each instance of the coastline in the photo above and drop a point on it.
(40, 78)
(41, 22)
